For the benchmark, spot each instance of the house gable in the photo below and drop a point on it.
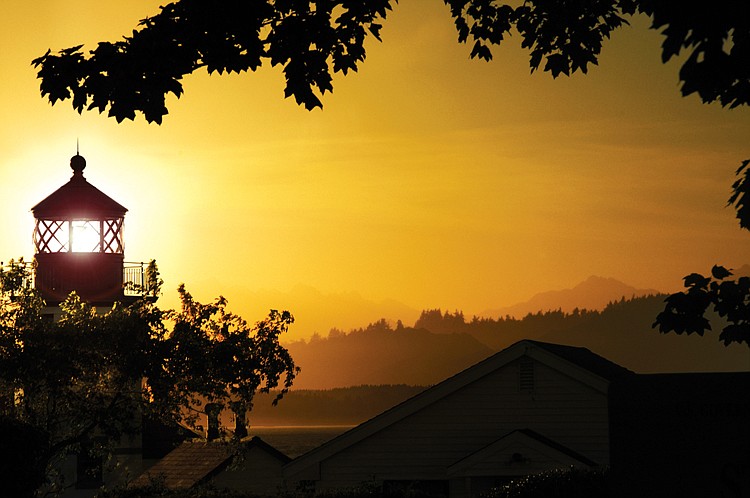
(519, 453)
(257, 471)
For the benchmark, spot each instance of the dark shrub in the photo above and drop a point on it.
(156, 489)
(571, 483)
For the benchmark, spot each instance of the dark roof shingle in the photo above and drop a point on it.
(187, 465)
(193, 462)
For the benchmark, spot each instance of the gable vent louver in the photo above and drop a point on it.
(526, 375)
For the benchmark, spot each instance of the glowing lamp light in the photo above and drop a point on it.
(84, 236)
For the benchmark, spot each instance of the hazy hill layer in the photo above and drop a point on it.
(418, 355)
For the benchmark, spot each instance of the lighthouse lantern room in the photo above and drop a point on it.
(78, 242)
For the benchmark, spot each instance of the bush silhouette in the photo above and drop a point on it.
(571, 483)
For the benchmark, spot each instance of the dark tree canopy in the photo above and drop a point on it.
(314, 39)
(94, 374)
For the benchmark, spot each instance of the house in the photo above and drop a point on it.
(253, 466)
(683, 435)
(534, 406)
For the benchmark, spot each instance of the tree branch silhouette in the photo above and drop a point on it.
(686, 311)
(312, 40)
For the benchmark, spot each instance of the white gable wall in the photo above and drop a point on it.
(422, 445)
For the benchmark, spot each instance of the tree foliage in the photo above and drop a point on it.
(214, 356)
(435, 321)
(90, 376)
(687, 312)
(740, 198)
(311, 40)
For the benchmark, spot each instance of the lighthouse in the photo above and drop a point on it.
(79, 245)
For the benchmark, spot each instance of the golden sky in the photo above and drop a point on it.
(428, 178)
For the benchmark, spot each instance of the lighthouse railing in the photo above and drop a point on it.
(134, 278)
(19, 274)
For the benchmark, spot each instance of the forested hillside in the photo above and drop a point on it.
(441, 344)
(379, 354)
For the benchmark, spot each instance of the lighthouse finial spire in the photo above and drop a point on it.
(77, 162)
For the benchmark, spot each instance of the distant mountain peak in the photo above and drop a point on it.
(597, 278)
(607, 285)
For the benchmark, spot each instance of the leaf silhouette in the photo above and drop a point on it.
(719, 272)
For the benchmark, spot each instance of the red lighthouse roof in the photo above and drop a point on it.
(78, 199)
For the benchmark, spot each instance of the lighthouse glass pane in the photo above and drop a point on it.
(112, 236)
(51, 236)
(85, 236)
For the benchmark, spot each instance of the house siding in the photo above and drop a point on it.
(259, 472)
(422, 445)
